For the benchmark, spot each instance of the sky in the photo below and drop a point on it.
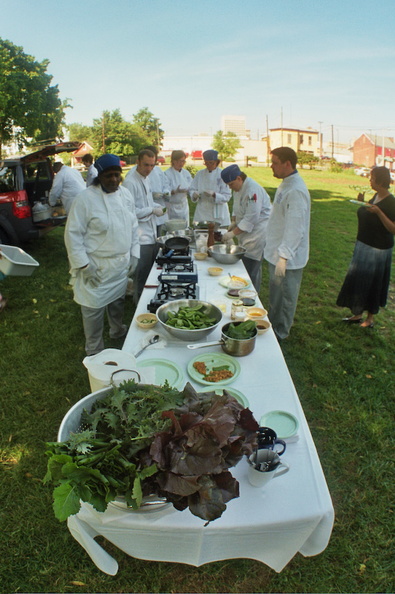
(328, 65)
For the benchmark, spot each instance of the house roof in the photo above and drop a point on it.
(377, 140)
(84, 149)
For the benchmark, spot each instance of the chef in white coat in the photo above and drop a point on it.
(210, 192)
(101, 238)
(179, 180)
(251, 210)
(147, 211)
(68, 182)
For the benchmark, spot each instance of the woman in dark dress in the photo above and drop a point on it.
(365, 287)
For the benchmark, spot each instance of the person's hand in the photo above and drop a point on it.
(89, 273)
(361, 197)
(157, 195)
(227, 236)
(281, 267)
(182, 190)
(158, 212)
(210, 193)
(196, 195)
(232, 226)
(132, 265)
(374, 209)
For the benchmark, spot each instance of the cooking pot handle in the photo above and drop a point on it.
(132, 370)
(199, 345)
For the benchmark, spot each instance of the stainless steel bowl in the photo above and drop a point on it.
(188, 335)
(225, 254)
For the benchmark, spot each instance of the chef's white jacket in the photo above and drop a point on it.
(178, 207)
(101, 230)
(251, 209)
(160, 185)
(140, 188)
(210, 208)
(287, 234)
(91, 174)
(68, 182)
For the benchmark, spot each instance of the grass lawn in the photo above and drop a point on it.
(345, 381)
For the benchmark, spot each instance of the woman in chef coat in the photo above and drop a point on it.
(251, 210)
(102, 243)
(210, 192)
(179, 181)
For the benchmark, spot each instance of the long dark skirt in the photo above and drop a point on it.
(365, 287)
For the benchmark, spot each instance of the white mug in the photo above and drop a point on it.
(263, 466)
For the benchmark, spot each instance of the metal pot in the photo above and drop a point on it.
(231, 346)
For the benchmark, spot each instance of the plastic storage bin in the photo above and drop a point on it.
(15, 262)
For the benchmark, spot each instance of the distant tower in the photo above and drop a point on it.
(234, 123)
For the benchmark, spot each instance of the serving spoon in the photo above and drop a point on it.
(152, 340)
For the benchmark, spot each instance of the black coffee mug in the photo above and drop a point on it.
(267, 440)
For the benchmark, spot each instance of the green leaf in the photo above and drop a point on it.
(66, 501)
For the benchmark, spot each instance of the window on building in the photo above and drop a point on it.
(301, 139)
(309, 140)
(289, 137)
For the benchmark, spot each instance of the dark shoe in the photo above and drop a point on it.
(352, 320)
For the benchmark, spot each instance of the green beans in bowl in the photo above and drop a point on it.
(189, 319)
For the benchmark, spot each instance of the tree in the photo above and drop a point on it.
(150, 125)
(112, 134)
(307, 159)
(226, 144)
(81, 133)
(29, 105)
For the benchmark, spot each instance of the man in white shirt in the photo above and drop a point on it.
(147, 211)
(287, 240)
(67, 184)
(91, 172)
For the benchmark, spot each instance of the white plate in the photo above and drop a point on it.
(164, 370)
(225, 280)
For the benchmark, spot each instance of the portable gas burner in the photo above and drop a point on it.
(173, 290)
(163, 257)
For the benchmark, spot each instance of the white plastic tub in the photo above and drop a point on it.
(15, 262)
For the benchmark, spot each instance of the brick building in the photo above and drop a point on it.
(370, 150)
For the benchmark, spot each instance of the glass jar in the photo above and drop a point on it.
(237, 306)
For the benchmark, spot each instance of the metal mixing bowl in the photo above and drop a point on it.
(225, 254)
(188, 335)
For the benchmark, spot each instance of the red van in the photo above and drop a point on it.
(24, 181)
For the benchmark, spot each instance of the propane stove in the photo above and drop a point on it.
(177, 281)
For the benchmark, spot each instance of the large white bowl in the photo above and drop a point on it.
(188, 335)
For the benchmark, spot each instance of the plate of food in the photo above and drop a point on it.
(235, 393)
(213, 369)
(234, 282)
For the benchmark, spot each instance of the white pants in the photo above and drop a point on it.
(93, 323)
(283, 298)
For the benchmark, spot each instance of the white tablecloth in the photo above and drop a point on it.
(294, 513)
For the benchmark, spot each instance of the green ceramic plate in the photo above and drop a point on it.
(165, 370)
(235, 393)
(214, 360)
(283, 423)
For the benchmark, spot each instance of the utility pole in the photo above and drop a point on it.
(103, 136)
(320, 145)
(267, 141)
(333, 147)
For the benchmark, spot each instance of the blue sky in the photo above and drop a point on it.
(296, 62)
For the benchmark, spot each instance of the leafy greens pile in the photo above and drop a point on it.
(241, 330)
(141, 440)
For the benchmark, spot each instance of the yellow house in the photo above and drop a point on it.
(307, 140)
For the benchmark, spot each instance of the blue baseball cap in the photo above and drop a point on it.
(107, 161)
